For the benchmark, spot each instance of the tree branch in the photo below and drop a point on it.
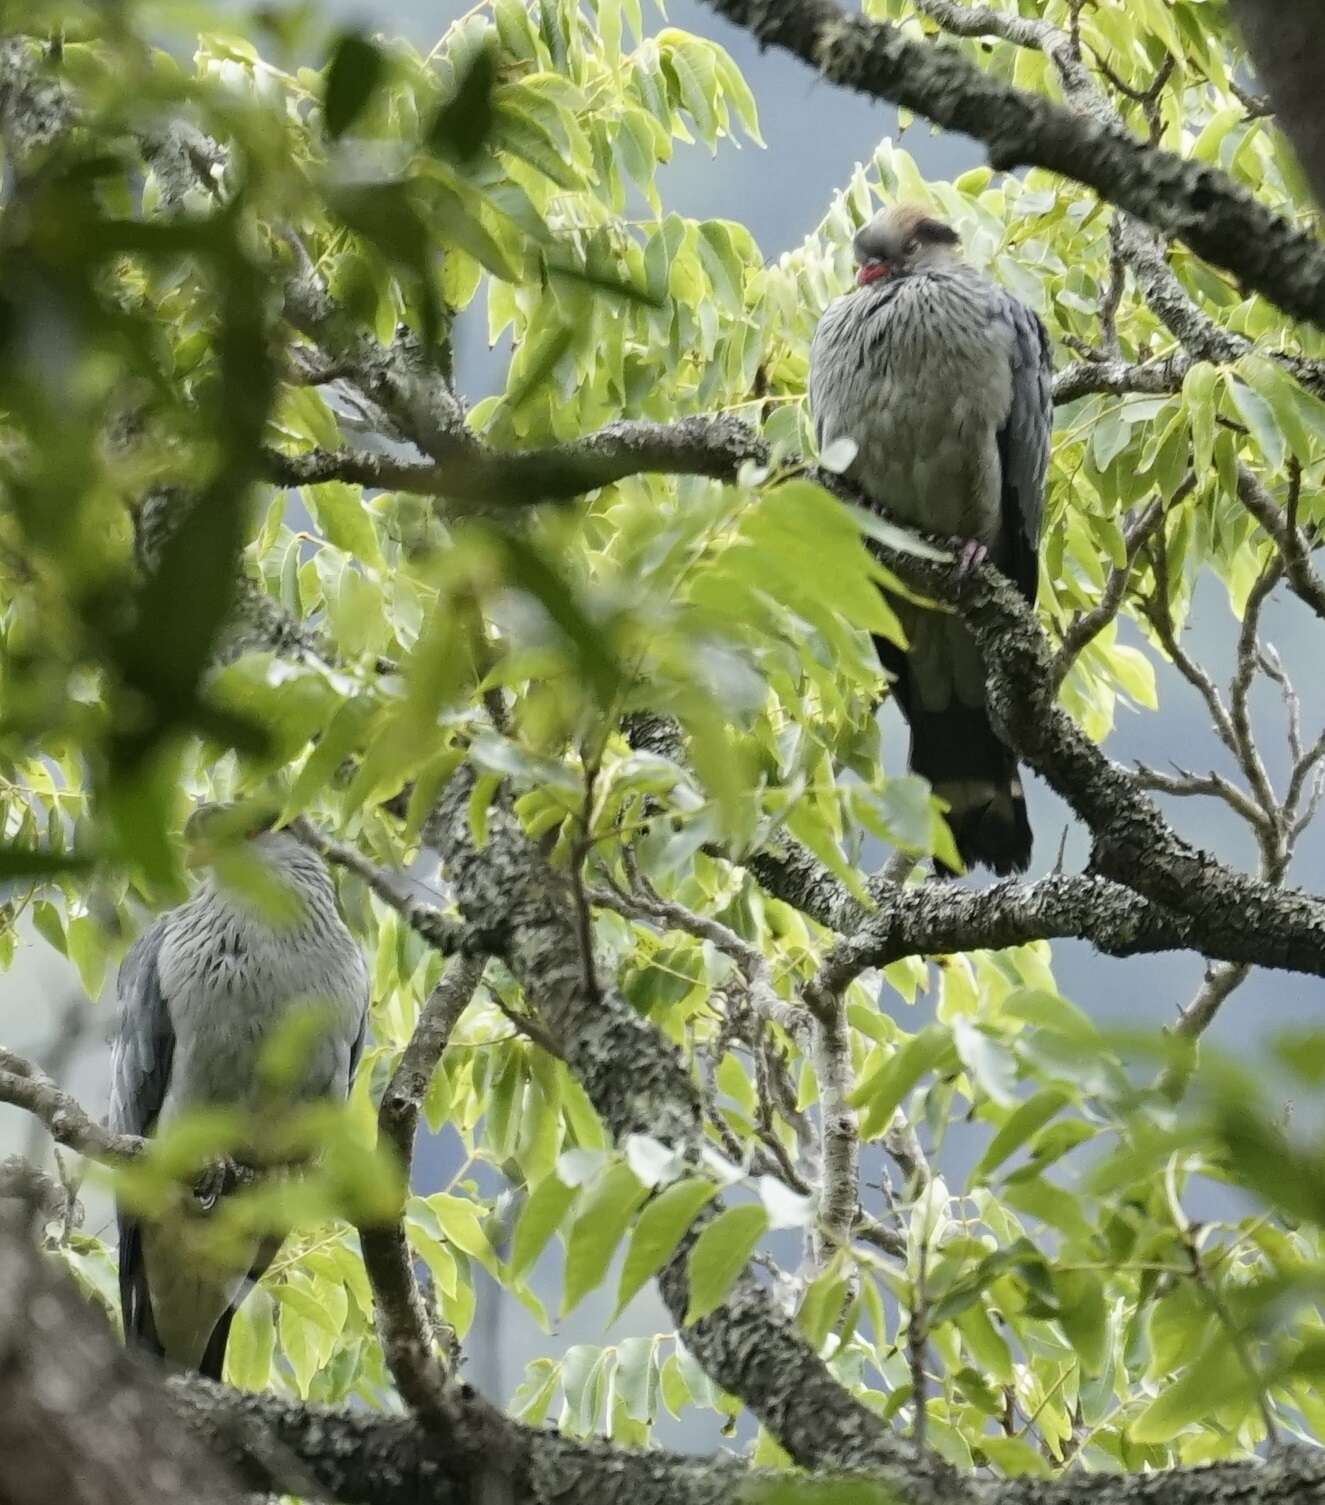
(839, 1136)
(1202, 206)
(441, 933)
(366, 1459)
(1282, 528)
(1284, 40)
(403, 1322)
(27, 1087)
(489, 479)
(942, 920)
(1085, 626)
(521, 910)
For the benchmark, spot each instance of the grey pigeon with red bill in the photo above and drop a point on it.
(940, 379)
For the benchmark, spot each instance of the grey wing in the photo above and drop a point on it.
(356, 1045)
(143, 1047)
(142, 1052)
(1023, 446)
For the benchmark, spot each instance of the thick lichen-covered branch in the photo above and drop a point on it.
(934, 920)
(365, 1459)
(1202, 206)
(522, 910)
(80, 1419)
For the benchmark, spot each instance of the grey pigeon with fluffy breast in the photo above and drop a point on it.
(201, 992)
(941, 379)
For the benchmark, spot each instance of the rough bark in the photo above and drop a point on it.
(1286, 43)
(82, 1422)
(518, 908)
(1201, 206)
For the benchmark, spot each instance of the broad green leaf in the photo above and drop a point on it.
(357, 68)
(250, 1349)
(1017, 1128)
(989, 1062)
(1214, 1379)
(658, 1230)
(1198, 390)
(339, 512)
(460, 1221)
(600, 1222)
(584, 1375)
(636, 1379)
(881, 1094)
(1259, 418)
(720, 1254)
(1083, 1313)
(539, 1220)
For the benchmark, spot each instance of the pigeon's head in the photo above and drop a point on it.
(901, 239)
(213, 827)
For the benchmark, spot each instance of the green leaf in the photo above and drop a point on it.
(807, 824)
(1257, 414)
(584, 1373)
(539, 1220)
(1017, 1128)
(1052, 1012)
(881, 1093)
(599, 1224)
(532, 571)
(357, 67)
(821, 1306)
(1213, 1380)
(86, 947)
(1280, 394)
(534, 1394)
(988, 1061)
(252, 1343)
(340, 514)
(464, 122)
(343, 735)
(1198, 391)
(986, 1344)
(1084, 1315)
(1014, 1456)
(658, 1230)
(636, 1381)
(691, 63)
(462, 1224)
(524, 137)
(719, 1255)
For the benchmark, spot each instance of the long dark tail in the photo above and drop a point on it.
(969, 767)
(136, 1300)
(960, 754)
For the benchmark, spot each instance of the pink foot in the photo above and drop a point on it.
(971, 554)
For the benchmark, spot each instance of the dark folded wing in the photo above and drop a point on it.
(142, 1052)
(1023, 446)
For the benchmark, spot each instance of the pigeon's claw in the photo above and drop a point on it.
(970, 555)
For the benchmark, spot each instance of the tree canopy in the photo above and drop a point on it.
(590, 659)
